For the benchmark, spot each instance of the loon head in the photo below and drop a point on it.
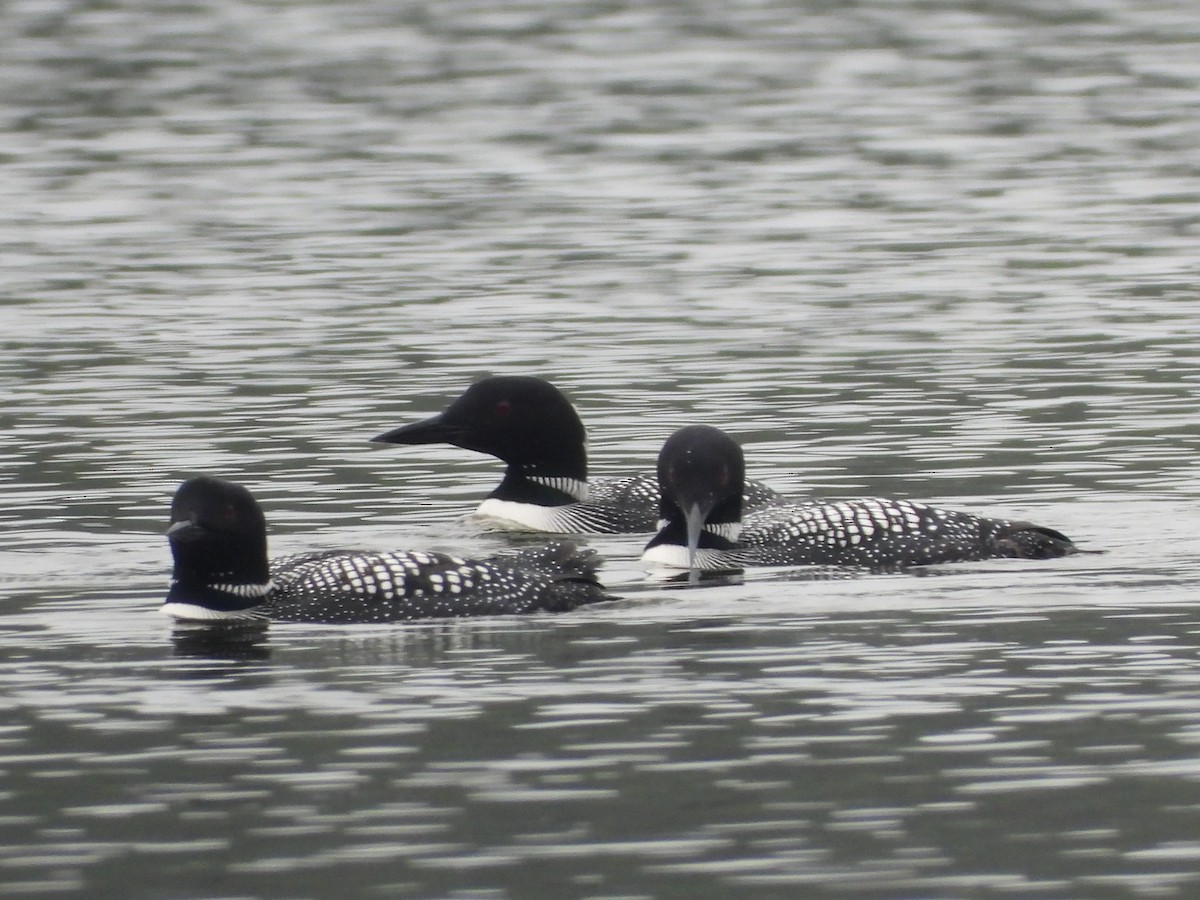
(218, 538)
(701, 477)
(526, 422)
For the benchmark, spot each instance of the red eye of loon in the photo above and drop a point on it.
(503, 407)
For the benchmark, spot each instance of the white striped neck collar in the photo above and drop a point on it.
(245, 590)
(572, 487)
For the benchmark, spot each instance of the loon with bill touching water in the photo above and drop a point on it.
(532, 427)
(700, 472)
(218, 538)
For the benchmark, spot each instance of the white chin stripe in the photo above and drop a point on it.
(191, 612)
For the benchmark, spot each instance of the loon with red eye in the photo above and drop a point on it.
(531, 426)
(221, 574)
(701, 471)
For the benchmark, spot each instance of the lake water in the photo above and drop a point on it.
(942, 250)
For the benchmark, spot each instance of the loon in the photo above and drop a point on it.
(700, 473)
(530, 425)
(218, 538)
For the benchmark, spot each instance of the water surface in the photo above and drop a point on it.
(937, 250)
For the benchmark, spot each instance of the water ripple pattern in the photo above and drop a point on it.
(938, 250)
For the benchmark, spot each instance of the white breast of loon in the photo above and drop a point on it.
(194, 612)
(509, 515)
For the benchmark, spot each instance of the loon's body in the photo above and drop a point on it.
(221, 574)
(700, 470)
(532, 427)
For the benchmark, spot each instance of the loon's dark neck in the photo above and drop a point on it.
(713, 536)
(207, 556)
(220, 598)
(523, 486)
(721, 525)
(716, 546)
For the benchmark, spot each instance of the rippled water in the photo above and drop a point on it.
(942, 250)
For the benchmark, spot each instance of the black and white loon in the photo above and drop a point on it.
(218, 538)
(700, 472)
(529, 424)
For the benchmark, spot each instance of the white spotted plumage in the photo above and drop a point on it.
(700, 474)
(221, 573)
(865, 532)
(392, 586)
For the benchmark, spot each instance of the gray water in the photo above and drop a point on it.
(939, 250)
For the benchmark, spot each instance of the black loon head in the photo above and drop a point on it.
(526, 422)
(218, 538)
(701, 477)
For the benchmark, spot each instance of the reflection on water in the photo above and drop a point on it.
(237, 642)
(941, 251)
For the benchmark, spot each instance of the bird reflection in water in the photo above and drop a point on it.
(236, 641)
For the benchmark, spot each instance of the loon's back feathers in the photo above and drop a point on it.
(1029, 541)
(885, 534)
(356, 586)
(218, 541)
(531, 426)
(560, 561)
(700, 471)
